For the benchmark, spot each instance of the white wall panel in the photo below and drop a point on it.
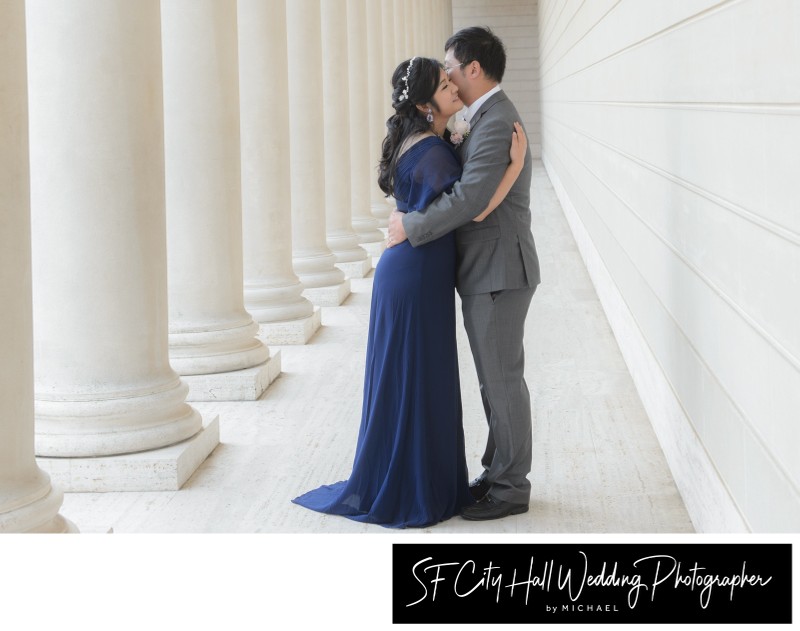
(671, 133)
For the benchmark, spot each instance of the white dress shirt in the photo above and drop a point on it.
(473, 109)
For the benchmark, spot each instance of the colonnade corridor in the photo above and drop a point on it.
(598, 467)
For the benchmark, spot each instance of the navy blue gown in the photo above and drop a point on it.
(410, 467)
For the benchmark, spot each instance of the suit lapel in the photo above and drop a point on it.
(490, 102)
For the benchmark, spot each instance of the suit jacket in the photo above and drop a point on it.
(499, 252)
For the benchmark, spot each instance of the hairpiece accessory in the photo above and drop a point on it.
(404, 95)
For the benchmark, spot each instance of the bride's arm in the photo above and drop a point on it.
(518, 145)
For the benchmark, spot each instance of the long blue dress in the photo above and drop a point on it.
(410, 467)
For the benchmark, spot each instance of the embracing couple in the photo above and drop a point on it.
(462, 221)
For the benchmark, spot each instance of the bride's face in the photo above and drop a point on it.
(446, 97)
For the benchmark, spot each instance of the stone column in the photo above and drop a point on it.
(431, 31)
(379, 92)
(390, 61)
(363, 175)
(413, 16)
(342, 239)
(427, 9)
(28, 503)
(447, 25)
(272, 291)
(314, 263)
(390, 54)
(213, 339)
(110, 411)
(401, 28)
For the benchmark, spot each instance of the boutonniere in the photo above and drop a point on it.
(459, 132)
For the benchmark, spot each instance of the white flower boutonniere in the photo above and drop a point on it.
(459, 132)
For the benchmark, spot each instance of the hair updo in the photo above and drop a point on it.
(408, 90)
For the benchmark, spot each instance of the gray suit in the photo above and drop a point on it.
(498, 271)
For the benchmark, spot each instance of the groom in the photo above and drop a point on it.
(498, 269)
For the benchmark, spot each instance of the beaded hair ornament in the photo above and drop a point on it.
(404, 95)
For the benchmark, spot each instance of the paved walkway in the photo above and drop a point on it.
(597, 466)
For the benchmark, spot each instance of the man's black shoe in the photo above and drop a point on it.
(490, 508)
(479, 487)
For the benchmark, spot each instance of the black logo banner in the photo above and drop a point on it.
(585, 583)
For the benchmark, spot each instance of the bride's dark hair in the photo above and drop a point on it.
(419, 86)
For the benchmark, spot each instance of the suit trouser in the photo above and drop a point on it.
(495, 325)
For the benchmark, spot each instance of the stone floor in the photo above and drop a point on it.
(597, 466)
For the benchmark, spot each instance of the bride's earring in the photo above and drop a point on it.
(429, 117)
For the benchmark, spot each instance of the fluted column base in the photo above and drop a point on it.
(110, 423)
(317, 270)
(331, 296)
(202, 350)
(291, 332)
(284, 315)
(324, 284)
(276, 303)
(375, 249)
(376, 253)
(35, 510)
(247, 384)
(58, 525)
(350, 257)
(370, 237)
(367, 232)
(381, 211)
(165, 469)
(345, 248)
(356, 269)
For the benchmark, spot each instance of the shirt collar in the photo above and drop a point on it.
(473, 109)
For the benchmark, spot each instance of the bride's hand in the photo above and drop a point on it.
(519, 143)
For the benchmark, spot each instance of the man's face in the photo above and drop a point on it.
(455, 70)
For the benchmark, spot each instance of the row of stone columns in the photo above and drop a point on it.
(110, 408)
(201, 176)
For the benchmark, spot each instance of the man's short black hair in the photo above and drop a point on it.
(478, 43)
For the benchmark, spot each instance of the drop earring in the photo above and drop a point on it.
(429, 117)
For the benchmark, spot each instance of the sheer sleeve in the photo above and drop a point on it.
(435, 173)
